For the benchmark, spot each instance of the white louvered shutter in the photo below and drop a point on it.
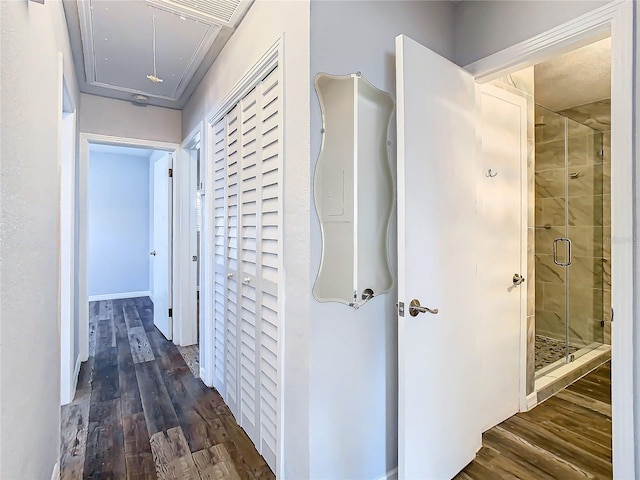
(248, 246)
(233, 211)
(219, 252)
(270, 261)
(250, 302)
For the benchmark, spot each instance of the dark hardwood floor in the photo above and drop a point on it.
(139, 412)
(566, 437)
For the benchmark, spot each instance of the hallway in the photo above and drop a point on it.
(568, 436)
(139, 412)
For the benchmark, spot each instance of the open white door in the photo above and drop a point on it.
(438, 166)
(502, 233)
(161, 247)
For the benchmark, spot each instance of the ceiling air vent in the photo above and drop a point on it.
(219, 12)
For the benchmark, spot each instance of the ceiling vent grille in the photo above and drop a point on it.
(220, 12)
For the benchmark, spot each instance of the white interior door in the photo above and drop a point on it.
(438, 164)
(501, 238)
(161, 246)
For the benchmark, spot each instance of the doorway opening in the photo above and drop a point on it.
(569, 214)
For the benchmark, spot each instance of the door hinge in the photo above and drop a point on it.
(400, 309)
(171, 173)
(170, 312)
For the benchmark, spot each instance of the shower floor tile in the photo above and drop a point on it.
(550, 350)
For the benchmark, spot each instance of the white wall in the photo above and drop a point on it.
(354, 352)
(118, 230)
(31, 37)
(265, 22)
(486, 27)
(117, 118)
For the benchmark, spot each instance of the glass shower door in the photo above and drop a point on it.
(587, 267)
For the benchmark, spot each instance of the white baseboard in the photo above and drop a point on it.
(532, 400)
(391, 475)
(117, 296)
(55, 475)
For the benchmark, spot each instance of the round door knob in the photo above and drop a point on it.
(229, 275)
(153, 253)
(247, 280)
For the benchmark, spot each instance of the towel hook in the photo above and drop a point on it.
(491, 174)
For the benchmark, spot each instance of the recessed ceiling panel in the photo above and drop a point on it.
(125, 41)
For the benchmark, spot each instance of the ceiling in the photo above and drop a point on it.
(577, 78)
(117, 44)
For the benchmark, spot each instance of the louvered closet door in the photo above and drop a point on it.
(249, 253)
(250, 301)
(220, 266)
(269, 262)
(232, 281)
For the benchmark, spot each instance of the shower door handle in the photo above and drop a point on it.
(567, 261)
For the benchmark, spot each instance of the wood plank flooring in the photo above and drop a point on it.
(139, 412)
(566, 437)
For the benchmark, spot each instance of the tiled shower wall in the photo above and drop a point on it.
(588, 225)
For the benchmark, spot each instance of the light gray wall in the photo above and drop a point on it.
(31, 37)
(118, 230)
(266, 21)
(117, 118)
(354, 352)
(486, 27)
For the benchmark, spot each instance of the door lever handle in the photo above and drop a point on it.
(518, 279)
(153, 253)
(415, 308)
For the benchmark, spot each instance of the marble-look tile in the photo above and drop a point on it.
(606, 178)
(606, 146)
(554, 297)
(531, 186)
(531, 272)
(606, 242)
(531, 354)
(607, 333)
(596, 115)
(606, 273)
(551, 211)
(575, 129)
(585, 180)
(539, 301)
(523, 80)
(582, 150)
(549, 154)
(547, 271)
(550, 125)
(586, 272)
(550, 324)
(585, 210)
(550, 183)
(545, 238)
(606, 210)
(587, 241)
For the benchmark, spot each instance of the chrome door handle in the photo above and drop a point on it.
(415, 308)
(246, 280)
(517, 279)
(555, 252)
(153, 253)
(229, 275)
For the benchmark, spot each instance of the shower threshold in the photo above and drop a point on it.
(559, 375)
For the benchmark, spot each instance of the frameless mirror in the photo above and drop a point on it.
(353, 190)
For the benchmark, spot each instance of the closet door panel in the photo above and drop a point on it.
(232, 225)
(219, 253)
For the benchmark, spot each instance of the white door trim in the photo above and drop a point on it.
(67, 155)
(83, 181)
(615, 18)
(185, 325)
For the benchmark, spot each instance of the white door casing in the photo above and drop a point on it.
(502, 237)
(438, 167)
(161, 247)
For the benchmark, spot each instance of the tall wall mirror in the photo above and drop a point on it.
(353, 190)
